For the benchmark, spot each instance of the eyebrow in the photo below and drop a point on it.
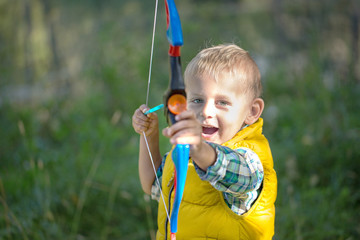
(193, 94)
(225, 97)
(201, 95)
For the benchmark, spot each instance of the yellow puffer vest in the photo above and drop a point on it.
(203, 212)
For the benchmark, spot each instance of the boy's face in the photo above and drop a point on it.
(220, 106)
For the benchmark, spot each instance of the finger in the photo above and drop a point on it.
(192, 124)
(140, 115)
(141, 123)
(143, 108)
(140, 119)
(165, 132)
(185, 137)
(140, 128)
(189, 136)
(188, 114)
(152, 115)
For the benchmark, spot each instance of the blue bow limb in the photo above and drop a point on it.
(180, 153)
(174, 31)
(180, 156)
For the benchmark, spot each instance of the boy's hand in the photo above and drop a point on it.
(187, 130)
(145, 123)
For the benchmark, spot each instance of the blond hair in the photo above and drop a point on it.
(230, 59)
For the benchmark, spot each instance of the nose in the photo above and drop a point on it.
(209, 110)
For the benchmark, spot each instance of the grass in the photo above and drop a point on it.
(65, 178)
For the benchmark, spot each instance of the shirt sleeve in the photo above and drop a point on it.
(156, 186)
(237, 171)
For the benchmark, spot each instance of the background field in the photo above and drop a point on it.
(73, 72)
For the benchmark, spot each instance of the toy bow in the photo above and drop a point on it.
(175, 102)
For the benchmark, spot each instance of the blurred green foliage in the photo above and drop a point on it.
(73, 72)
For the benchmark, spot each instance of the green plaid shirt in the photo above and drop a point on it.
(237, 173)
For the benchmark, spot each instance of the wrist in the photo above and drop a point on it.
(152, 136)
(204, 155)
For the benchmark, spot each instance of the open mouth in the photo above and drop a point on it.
(208, 131)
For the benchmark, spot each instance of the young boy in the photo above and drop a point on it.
(231, 185)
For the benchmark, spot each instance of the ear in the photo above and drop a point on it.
(256, 109)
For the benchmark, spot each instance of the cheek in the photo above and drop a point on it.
(196, 109)
(230, 118)
(191, 106)
(232, 122)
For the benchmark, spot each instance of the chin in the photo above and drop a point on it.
(213, 139)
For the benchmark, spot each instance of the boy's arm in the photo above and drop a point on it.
(235, 171)
(146, 171)
(204, 155)
(147, 125)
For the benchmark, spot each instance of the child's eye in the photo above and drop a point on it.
(223, 103)
(197, 100)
